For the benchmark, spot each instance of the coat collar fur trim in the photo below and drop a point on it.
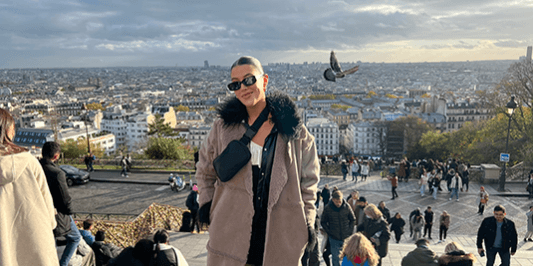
(284, 113)
(456, 257)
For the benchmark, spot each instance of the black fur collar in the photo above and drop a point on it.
(284, 113)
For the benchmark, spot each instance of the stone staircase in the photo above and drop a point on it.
(193, 248)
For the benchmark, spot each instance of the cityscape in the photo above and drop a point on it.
(345, 116)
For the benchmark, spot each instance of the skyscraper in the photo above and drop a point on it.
(206, 64)
(528, 54)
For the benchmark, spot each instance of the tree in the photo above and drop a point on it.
(181, 108)
(77, 148)
(160, 128)
(371, 94)
(340, 106)
(412, 127)
(94, 106)
(167, 148)
(388, 95)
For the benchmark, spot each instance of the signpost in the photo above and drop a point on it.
(504, 157)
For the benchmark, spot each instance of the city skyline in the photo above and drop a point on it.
(119, 33)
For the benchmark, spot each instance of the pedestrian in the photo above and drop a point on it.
(421, 256)
(26, 205)
(529, 232)
(256, 196)
(358, 250)
(129, 162)
(352, 199)
(344, 169)
(482, 200)
(318, 198)
(455, 184)
(394, 185)
(455, 255)
(418, 225)
(397, 223)
(428, 217)
(449, 176)
(383, 209)
(444, 224)
(359, 212)
(466, 176)
(434, 184)
(499, 235)
(414, 213)
(326, 194)
(365, 170)
(529, 185)
(355, 170)
(57, 183)
(376, 229)
(423, 181)
(193, 206)
(401, 171)
(124, 165)
(338, 221)
(89, 159)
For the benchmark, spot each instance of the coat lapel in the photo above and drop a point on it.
(279, 175)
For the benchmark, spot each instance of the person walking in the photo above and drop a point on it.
(344, 169)
(338, 221)
(352, 199)
(358, 251)
(466, 176)
(424, 181)
(401, 171)
(414, 213)
(529, 232)
(455, 255)
(89, 159)
(355, 170)
(421, 256)
(376, 229)
(428, 217)
(444, 224)
(418, 224)
(57, 183)
(359, 212)
(397, 223)
(383, 209)
(326, 194)
(455, 185)
(499, 235)
(124, 165)
(434, 184)
(394, 185)
(193, 206)
(482, 200)
(26, 205)
(274, 199)
(365, 170)
(529, 185)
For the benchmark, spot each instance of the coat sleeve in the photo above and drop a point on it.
(514, 237)
(205, 172)
(310, 176)
(45, 193)
(66, 200)
(481, 234)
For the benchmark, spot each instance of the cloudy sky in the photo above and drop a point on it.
(90, 33)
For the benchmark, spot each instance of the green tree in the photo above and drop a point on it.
(160, 128)
(340, 106)
(413, 128)
(371, 94)
(168, 148)
(77, 148)
(94, 106)
(181, 108)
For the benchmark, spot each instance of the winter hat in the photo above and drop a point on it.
(194, 188)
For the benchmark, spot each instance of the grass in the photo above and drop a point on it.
(117, 167)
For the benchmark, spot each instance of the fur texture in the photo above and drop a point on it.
(284, 113)
(456, 258)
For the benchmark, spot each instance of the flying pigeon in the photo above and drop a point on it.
(336, 71)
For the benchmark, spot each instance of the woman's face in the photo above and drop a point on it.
(253, 94)
(10, 134)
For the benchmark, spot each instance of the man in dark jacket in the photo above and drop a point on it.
(428, 217)
(338, 221)
(193, 206)
(326, 194)
(414, 213)
(57, 182)
(421, 256)
(499, 234)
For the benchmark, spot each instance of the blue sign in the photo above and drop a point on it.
(504, 157)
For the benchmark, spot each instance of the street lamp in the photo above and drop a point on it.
(511, 105)
(84, 107)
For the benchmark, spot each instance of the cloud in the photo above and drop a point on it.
(511, 43)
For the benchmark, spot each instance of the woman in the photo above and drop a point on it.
(482, 200)
(365, 169)
(529, 185)
(26, 207)
(355, 169)
(418, 225)
(444, 222)
(274, 192)
(358, 251)
(397, 223)
(376, 229)
(352, 199)
(384, 210)
(466, 176)
(424, 181)
(434, 183)
(165, 254)
(456, 256)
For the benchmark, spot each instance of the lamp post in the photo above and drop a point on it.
(511, 105)
(86, 128)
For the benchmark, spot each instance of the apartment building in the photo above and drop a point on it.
(326, 135)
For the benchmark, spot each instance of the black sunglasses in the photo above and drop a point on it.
(249, 81)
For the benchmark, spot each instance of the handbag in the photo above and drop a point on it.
(237, 154)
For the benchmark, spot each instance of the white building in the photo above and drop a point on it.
(197, 134)
(99, 138)
(367, 138)
(326, 135)
(137, 128)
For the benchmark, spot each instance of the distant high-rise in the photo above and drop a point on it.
(206, 64)
(528, 54)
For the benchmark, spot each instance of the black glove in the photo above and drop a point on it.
(203, 213)
(312, 240)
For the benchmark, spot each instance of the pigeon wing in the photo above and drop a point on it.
(334, 63)
(351, 70)
(329, 75)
